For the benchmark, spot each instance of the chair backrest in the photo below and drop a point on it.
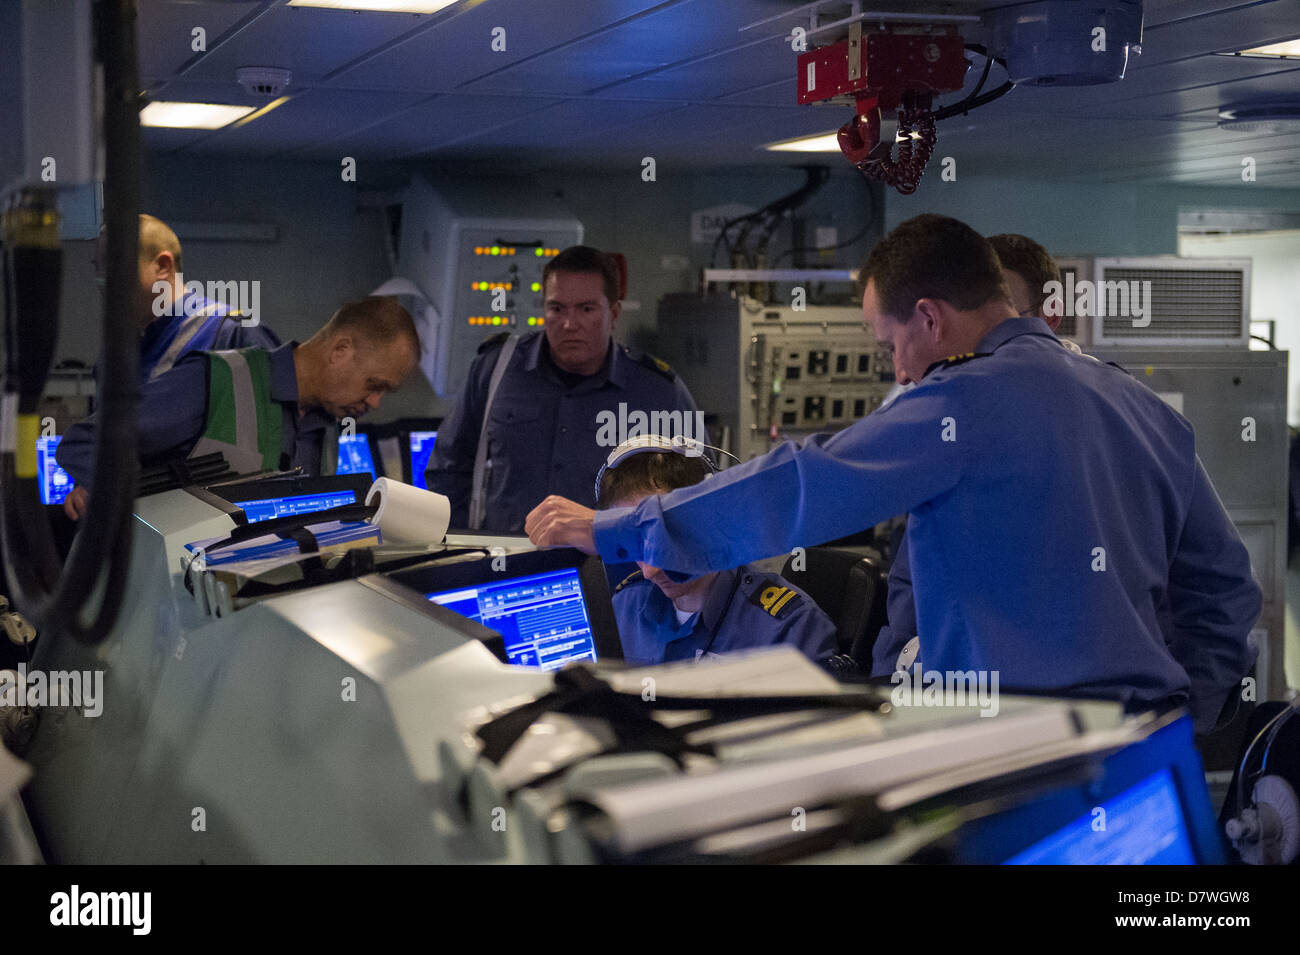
(848, 583)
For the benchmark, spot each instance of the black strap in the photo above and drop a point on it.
(579, 692)
(179, 470)
(286, 526)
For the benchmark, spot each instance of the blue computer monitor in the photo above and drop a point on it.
(421, 445)
(55, 482)
(542, 617)
(354, 455)
(263, 509)
(1144, 804)
(1143, 825)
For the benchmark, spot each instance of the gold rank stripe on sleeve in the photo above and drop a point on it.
(774, 598)
(630, 578)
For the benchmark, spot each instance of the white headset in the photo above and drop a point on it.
(648, 443)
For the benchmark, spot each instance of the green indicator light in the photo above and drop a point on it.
(537, 286)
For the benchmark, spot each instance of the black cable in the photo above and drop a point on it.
(975, 100)
(113, 494)
(867, 226)
(99, 560)
(816, 178)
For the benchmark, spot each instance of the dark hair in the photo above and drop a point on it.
(651, 472)
(379, 320)
(1029, 260)
(583, 258)
(933, 256)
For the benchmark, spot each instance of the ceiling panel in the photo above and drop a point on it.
(574, 124)
(459, 49)
(438, 122)
(1137, 90)
(589, 81)
(307, 120)
(1234, 26)
(309, 42)
(164, 31)
(716, 76)
(671, 34)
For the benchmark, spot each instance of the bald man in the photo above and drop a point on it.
(265, 410)
(188, 322)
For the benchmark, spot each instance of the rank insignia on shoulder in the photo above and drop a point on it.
(492, 342)
(776, 599)
(645, 360)
(954, 360)
(629, 579)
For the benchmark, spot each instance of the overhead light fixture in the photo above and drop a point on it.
(1287, 49)
(377, 6)
(1261, 118)
(274, 104)
(819, 143)
(192, 115)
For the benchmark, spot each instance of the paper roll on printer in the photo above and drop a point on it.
(407, 514)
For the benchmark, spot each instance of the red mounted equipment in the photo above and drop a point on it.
(886, 71)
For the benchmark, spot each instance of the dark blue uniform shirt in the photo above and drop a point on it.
(545, 434)
(1057, 509)
(744, 608)
(173, 415)
(900, 611)
(202, 326)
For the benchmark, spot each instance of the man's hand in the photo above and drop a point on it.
(559, 522)
(74, 505)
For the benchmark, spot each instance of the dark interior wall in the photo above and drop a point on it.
(331, 244)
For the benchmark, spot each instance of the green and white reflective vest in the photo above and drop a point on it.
(244, 423)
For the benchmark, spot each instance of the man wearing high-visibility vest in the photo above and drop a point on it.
(264, 410)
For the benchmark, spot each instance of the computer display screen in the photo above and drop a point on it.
(267, 508)
(1143, 825)
(421, 447)
(354, 456)
(55, 482)
(542, 617)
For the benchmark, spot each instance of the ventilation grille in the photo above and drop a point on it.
(1187, 304)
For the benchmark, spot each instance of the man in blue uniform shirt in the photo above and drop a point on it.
(1057, 507)
(174, 322)
(363, 352)
(553, 396)
(1027, 267)
(661, 620)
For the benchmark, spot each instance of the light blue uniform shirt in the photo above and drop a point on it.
(1056, 506)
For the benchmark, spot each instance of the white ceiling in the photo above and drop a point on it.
(599, 82)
